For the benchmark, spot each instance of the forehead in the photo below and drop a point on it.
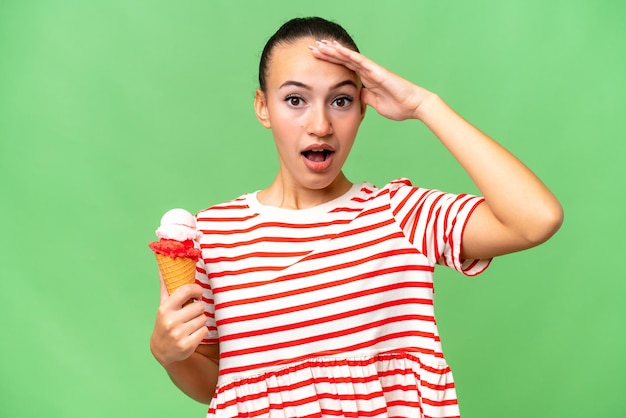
(294, 61)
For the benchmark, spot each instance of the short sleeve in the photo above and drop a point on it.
(434, 222)
(207, 300)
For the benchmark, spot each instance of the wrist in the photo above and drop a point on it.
(427, 106)
(163, 356)
(158, 355)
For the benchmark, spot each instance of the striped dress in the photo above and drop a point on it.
(328, 311)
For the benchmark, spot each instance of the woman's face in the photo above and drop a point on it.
(314, 110)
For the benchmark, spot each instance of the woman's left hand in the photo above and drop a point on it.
(519, 211)
(389, 94)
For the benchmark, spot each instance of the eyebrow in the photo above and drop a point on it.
(299, 84)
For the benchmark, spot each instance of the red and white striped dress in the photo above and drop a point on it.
(328, 311)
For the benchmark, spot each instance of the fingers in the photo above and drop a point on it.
(177, 331)
(335, 53)
(182, 295)
(196, 337)
(192, 322)
(182, 321)
(191, 311)
(370, 72)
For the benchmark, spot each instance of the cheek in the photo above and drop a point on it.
(285, 132)
(284, 118)
(350, 124)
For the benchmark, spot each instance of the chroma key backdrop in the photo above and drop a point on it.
(113, 112)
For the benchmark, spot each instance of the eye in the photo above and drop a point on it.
(343, 101)
(294, 101)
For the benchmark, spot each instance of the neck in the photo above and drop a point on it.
(288, 196)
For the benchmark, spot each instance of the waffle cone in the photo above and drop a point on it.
(176, 271)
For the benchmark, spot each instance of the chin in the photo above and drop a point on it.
(325, 183)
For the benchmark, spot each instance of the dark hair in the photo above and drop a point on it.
(303, 27)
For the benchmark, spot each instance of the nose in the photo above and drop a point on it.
(319, 123)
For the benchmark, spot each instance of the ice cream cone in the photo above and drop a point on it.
(177, 249)
(176, 271)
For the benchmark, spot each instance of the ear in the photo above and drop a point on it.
(363, 109)
(260, 108)
(362, 101)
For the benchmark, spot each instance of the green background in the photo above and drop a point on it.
(112, 112)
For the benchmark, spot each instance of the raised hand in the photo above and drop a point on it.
(519, 211)
(389, 94)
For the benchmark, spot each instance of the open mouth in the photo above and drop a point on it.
(317, 155)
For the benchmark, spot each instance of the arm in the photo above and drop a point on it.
(519, 211)
(175, 343)
(196, 376)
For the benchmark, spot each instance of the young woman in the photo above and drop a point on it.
(317, 293)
